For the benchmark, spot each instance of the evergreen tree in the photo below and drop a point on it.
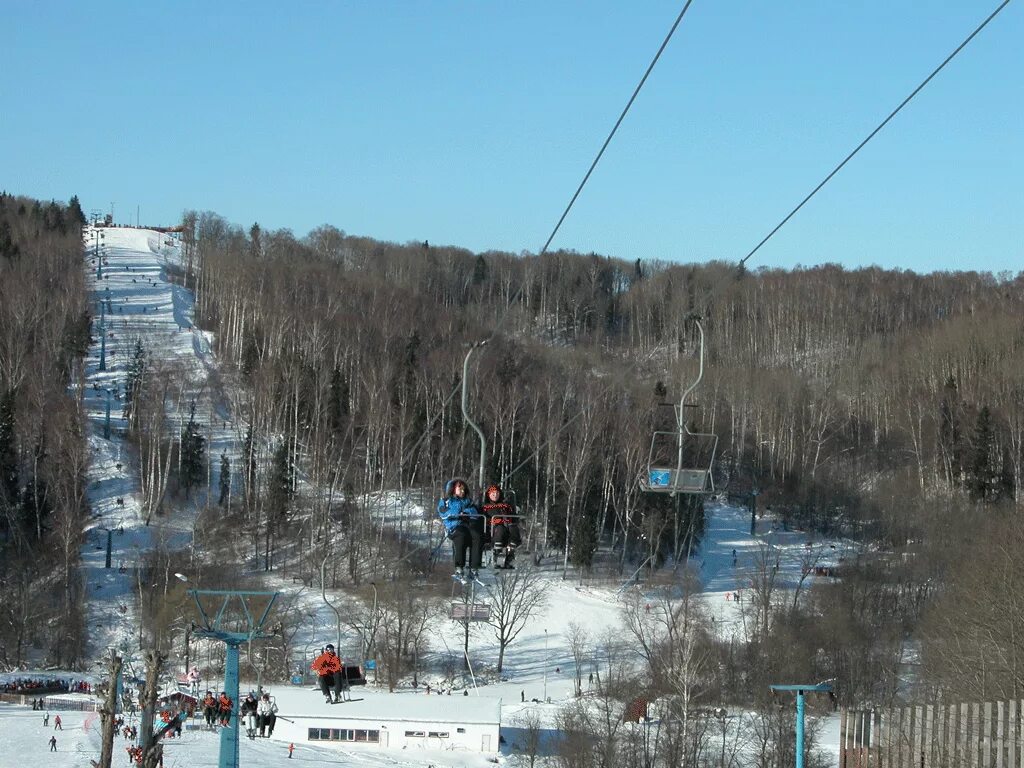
(950, 439)
(249, 457)
(983, 481)
(8, 453)
(337, 407)
(279, 490)
(193, 452)
(225, 479)
(479, 270)
(134, 377)
(75, 212)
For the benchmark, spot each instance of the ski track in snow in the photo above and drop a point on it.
(146, 305)
(138, 302)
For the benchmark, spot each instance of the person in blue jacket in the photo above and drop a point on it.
(465, 526)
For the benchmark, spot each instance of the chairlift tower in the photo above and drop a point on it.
(249, 627)
(694, 452)
(800, 691)
(465, 415)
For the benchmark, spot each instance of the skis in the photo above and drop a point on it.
(465, 580)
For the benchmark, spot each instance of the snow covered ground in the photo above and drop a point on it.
(140, 302)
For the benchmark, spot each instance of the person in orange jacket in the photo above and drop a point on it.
(224, 704)
(210, 709)
(330, 670)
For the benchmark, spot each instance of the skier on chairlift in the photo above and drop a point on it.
(465, 526)
(504, 528)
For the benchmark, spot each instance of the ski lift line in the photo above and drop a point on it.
(607, 141)
(879, 128)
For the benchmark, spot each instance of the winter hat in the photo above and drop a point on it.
(328, 647)
(494, 487)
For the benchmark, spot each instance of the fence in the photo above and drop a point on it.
(975, 735)
(53, 702)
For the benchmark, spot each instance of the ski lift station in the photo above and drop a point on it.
(389, 721)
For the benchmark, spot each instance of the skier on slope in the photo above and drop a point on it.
(329, 669)
(465, 526)
(504, 528)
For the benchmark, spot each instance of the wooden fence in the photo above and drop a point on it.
(985, 735)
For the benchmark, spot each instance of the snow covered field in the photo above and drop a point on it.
(141, 303)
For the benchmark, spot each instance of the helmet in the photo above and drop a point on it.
(328, 647)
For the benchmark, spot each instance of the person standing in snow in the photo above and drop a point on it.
(56, 724)
(465, 526)
(328, 668)
(505, 535)
(53, 743)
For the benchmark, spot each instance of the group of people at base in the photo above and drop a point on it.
(469, 526)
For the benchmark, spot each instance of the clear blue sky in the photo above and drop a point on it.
(471, 123)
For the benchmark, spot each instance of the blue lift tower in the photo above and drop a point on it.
(247, 626)
(800, 691)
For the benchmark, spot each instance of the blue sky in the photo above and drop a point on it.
(471, 123)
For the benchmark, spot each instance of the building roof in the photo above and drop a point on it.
(368, 704)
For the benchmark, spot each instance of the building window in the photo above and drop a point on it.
(438, 734)
(344, 734)
(415, 734)
(461, 730)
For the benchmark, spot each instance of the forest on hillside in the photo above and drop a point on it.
(44, 332)
(884, 406)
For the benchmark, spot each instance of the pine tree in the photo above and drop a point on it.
(249, 457)
(134, 378)
(8, 453)
(279, 491)
(225, 479)
(950, 440)
(983, 479)
(337, 407)
(75, 212)
(193, 452)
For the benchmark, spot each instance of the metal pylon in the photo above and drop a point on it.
(213, 628)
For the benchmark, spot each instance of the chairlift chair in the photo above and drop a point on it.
(682, 461)
(461, 611)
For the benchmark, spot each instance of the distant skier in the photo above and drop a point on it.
(53, 743)
(465, 526)
(505, 535)
(329, 669)
(291, 748)
(56, 724)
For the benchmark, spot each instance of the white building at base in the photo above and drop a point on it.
(378, 720)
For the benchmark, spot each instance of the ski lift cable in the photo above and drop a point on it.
(880, 126)
(512, 300)
(607, 141)
(744, 260)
